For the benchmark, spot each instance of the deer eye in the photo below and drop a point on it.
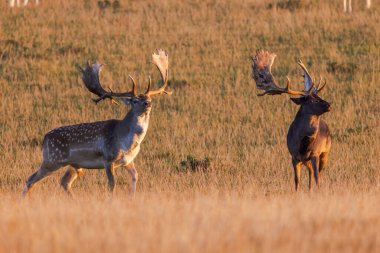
(134, 102)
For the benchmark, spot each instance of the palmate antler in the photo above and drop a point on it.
(161, 60)
(90, 77)
(309, 82)
(261, 70)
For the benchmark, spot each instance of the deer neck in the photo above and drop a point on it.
(301, 134)
(306, 124)
(135, 125)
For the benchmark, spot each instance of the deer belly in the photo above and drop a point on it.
(87, 159)
(89, 164)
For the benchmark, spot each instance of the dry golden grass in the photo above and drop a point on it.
(246, 202)
(199, 223)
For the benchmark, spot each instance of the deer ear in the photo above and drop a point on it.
(298, 101)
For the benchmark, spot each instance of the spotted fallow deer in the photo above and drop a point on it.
(105, 144)
(308, 138)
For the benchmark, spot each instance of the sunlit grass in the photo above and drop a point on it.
(244, 201)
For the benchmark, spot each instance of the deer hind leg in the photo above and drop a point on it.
(297, 172)
(322, 164)
(310, 170)
(44, 171)
(69, 177)
(135, 177)
(315, 165)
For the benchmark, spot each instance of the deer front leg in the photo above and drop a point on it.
(315, 164)
(135, 176)
(310, 169)
(110, 171)
(297, 172)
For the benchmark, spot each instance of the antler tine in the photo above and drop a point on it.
(160, 59)
(134, 91)
(319, 82)
(315, 87)
(311, 90)
(149, 85)
(113, 101)
(323, 86)
(290, 91)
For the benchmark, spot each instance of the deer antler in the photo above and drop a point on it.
(310, 86)
(90, 78)
(160, 59)
(307, 80)
(261, 70)
(319, 83)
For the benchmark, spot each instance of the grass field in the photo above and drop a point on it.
(243, 199)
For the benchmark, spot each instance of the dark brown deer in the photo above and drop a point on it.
(105, 144)
(308, 138)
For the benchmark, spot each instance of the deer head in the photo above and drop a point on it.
(312, 104)
(140, 103)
